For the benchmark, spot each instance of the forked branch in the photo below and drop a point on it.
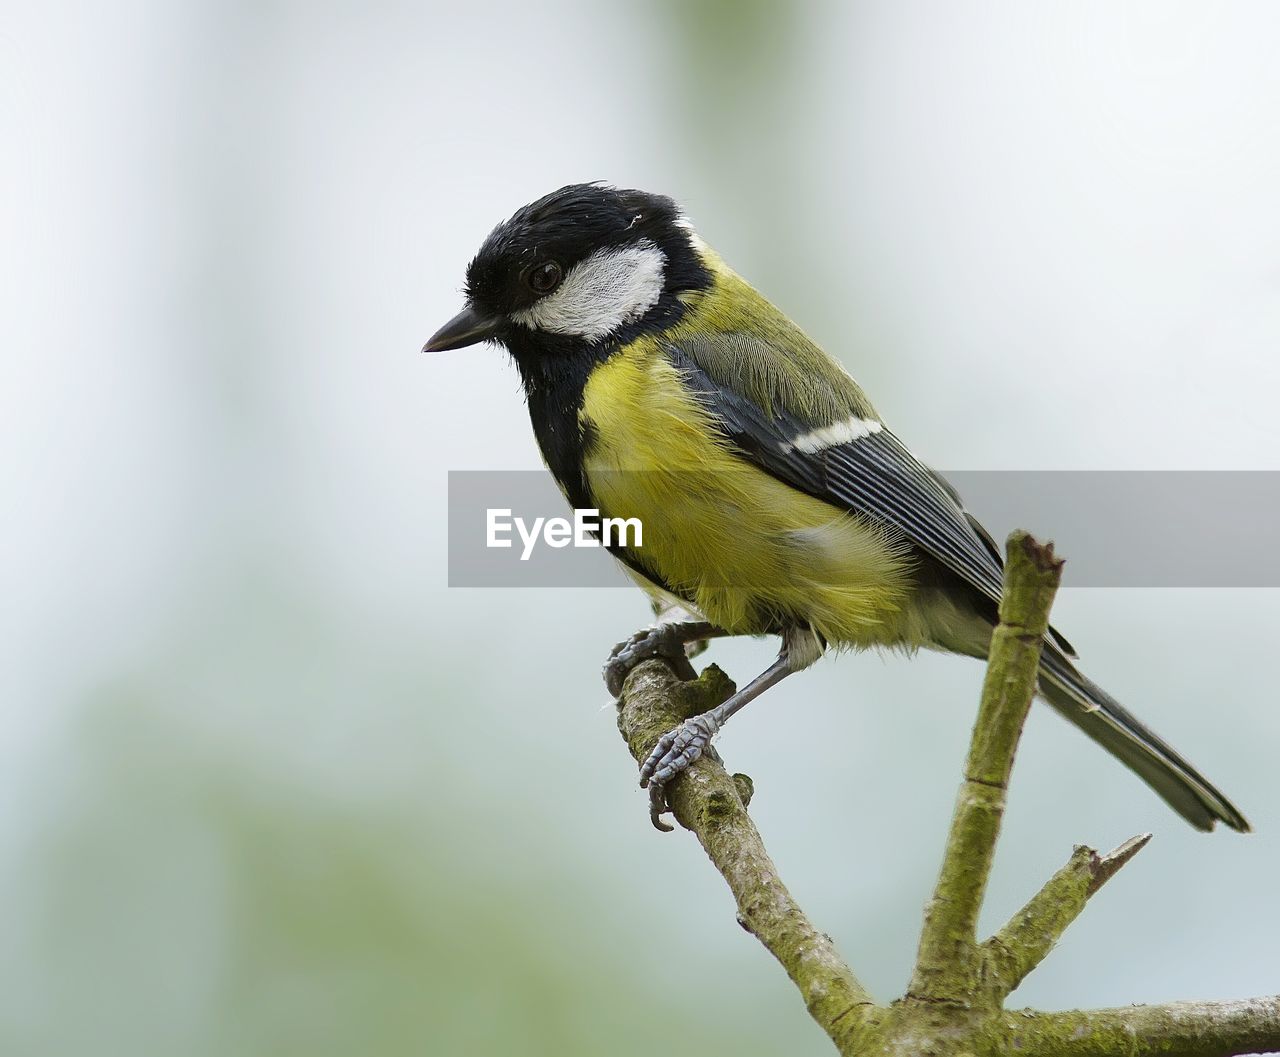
(954, 1004)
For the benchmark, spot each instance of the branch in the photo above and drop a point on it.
(947, 962)
(710, 803)
(1184, 1029)
(954, 1004)
(1029, 936)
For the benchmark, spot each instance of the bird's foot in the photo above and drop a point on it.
(673, 753)
(664, 640)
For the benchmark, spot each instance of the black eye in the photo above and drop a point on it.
(544, 277)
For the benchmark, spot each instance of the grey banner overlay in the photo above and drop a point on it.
(1116, 528)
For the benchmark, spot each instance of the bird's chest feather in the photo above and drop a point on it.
(749, 551)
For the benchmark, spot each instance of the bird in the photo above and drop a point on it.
(774, 498)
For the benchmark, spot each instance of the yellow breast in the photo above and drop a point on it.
(747, 550)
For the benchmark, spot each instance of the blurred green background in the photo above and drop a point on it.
(267, 786)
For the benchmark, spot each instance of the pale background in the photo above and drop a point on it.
(268, 787)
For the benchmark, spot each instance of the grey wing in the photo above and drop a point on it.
(871, 474)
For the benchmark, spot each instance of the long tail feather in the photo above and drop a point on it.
(1100, 716)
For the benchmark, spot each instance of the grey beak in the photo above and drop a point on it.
(466, 328)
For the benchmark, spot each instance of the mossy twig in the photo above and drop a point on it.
(707, 801)
(1179, 1029)
(1029, 936)
(947, 963)
(954, 1006)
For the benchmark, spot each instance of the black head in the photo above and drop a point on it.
(585, 266)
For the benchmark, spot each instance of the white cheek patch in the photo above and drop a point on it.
(832, 436)
(600, 294)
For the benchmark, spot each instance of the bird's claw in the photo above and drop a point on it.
(658, 807)
(660, 641)
(678, 748)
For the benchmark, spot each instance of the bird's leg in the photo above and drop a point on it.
(679, 747)
(662, 640)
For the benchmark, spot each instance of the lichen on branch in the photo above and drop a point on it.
(955, 1002)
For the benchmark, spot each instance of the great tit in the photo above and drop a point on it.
(774, 499)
